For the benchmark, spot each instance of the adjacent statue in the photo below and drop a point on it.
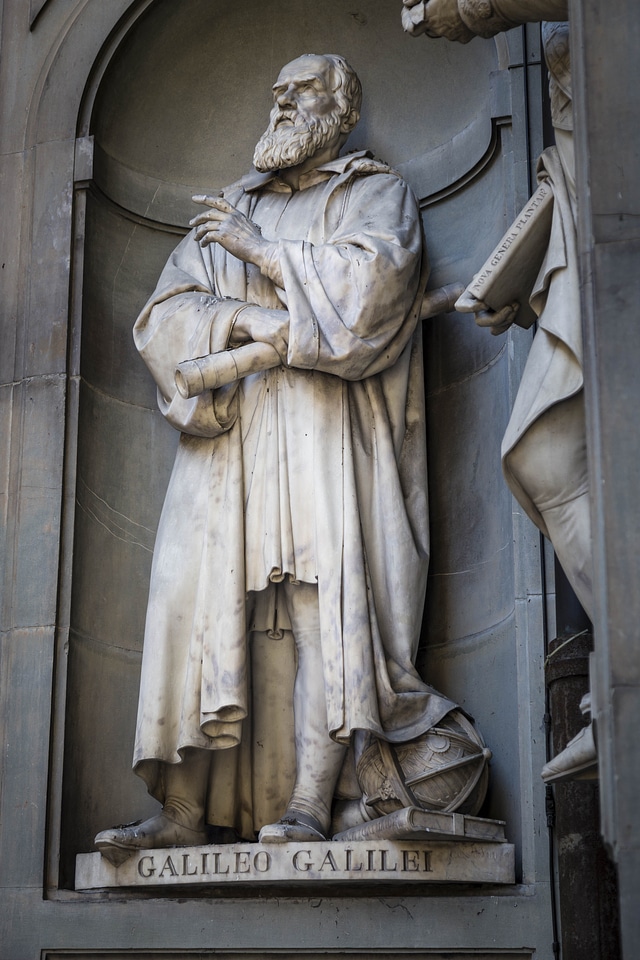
(544, 449)
(462, 20)
(290, 564)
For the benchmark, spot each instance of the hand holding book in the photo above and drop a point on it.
(499, 292)
(498, 321)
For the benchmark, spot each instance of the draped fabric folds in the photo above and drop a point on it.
(553, 371)
(315, 471)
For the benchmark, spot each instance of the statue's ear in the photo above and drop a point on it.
(349, 121)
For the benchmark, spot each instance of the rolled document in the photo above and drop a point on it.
(193, 377)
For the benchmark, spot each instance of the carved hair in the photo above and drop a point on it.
(348, 89)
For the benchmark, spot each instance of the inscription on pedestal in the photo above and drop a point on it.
(381, 861)
(215, 863)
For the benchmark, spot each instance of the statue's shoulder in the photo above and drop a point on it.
(249, 182)
(364, 164)
(363, 175)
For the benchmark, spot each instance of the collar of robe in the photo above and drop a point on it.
(270, 180)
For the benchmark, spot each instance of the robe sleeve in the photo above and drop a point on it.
(486, 19)
(352, 299)
(184, 319)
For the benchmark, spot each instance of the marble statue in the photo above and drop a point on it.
(544, 449)
(290, 564)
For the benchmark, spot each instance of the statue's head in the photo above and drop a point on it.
(316, 105)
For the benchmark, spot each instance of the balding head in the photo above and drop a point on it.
(317, 103)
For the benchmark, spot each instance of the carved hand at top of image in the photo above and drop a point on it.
(533, 274)
(278, 691)
(437, 18)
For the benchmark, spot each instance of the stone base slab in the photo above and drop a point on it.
(380, 861)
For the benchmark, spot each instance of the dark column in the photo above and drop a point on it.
(605, 42)
(587, 883)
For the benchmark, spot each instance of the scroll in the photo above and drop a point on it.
(216, 370)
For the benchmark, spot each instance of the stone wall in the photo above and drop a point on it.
(113, 114)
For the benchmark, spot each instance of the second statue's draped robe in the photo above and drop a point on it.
(316, 470)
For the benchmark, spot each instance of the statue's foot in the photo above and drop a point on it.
(119, 843)
(578, 760)
(294, 827)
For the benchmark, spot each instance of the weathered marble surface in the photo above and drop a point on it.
(378, 861)
(275, 263)
(544, 451)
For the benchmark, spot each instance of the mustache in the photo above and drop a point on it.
(284, 115)
(280, 117)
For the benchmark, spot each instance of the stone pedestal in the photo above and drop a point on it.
(378, 861)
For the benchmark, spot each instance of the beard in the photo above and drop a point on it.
(288, 145)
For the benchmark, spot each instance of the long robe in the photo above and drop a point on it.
(553, 372)
(315, 470)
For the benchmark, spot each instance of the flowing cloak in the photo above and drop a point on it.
(553, 371)
(315, 470)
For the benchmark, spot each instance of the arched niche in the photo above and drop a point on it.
(178, 107)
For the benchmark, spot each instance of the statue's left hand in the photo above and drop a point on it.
(222, 223)
(260, 324)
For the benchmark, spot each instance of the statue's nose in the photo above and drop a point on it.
(285, 98)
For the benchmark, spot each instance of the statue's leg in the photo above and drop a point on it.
(318, 758)
(550, 463)
(181, 821)
(569, 526)
(185, 787)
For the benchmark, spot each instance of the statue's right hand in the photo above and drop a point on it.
(436, 18)
(498, 321)
(413, 17)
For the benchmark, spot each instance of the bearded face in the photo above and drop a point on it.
(292, 137)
